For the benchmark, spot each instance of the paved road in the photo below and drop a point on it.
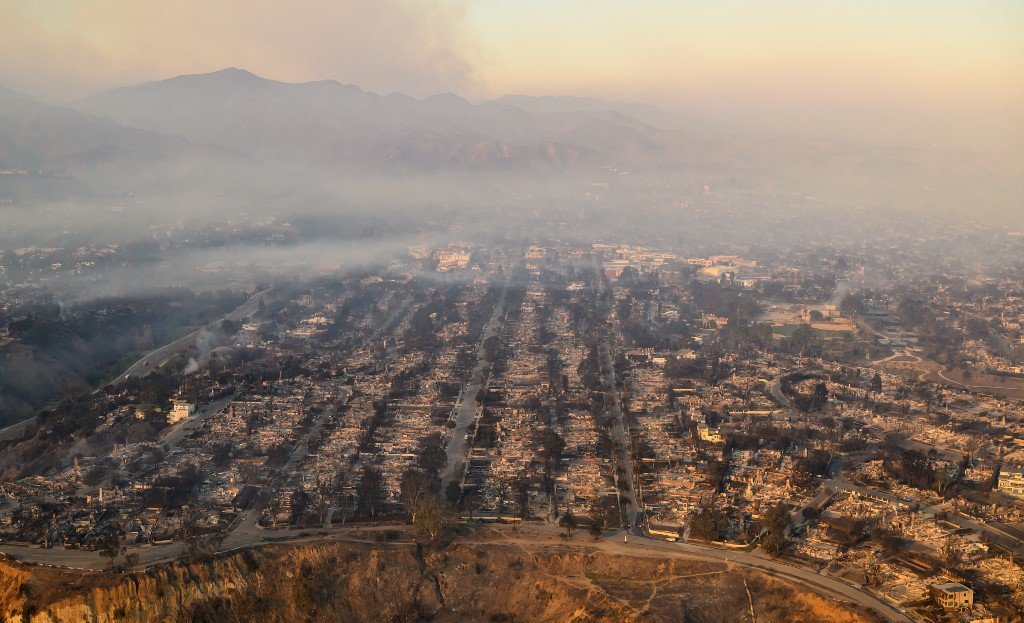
(154, 359)
(642, 546)
(165, 353)
(941, 372)
(389, 322)
(82, 559)
(246, 529)
(904, 352)
(797, 574)
(775, 389)
(15, 431)
(531, 536)
(174, 435)
(619, 432)
(620, 435)
(466, 408)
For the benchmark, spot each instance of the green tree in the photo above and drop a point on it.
(522, 489)
(807, 468)
(453, 493)
(131, 561)
(775, 543)
(801, 339)
(490, 347)
(569, 522)
(820, 398)
(413, 487)
(708, 524)
(338, 487)
(370, 491)
(433, 517)
(432, 457)
(776, 522)
(777, 517)
(109, 541)
(301, 501)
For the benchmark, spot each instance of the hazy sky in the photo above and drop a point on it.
(933, 69)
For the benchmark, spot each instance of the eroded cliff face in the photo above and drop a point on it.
(399, 583)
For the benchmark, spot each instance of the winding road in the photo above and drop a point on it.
(816, 581)
(775, 389)
(165, 353)
(15, 431)
(532, 536)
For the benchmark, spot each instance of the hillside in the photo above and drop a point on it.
(397, 583)
(328, 123)
(343, 127)
(234, 133)
(62, 152)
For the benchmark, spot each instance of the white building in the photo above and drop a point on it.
(709, 434)
(1011, 480)
(953, 596)
(180, 411)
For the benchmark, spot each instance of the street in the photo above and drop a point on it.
(245, 529)
(165, 353)
(534, 535)
(466, 409)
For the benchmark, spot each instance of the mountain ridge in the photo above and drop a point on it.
(326, 127)
(325, 122)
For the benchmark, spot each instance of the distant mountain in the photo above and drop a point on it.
(330, 123)
(651, 115)
(67, 144)
(233, 116)
(37, 135)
